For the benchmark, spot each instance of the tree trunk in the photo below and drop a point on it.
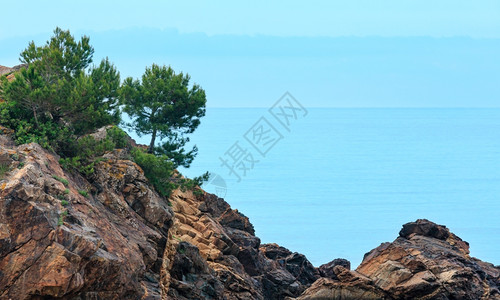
(152, 144)
(36, 117)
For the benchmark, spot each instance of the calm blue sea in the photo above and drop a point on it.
(342, 181)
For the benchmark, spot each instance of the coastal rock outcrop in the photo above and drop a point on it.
(63, 236)
(111, 236)
(426, 261)
(228, 255)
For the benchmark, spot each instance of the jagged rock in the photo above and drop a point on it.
(356, 288)
(327, 270)
(5, 70)
(191, 277)
(426, 261)
(102, 249)
(10, 72)
(295, 263)
(225, 239)
(121, 183)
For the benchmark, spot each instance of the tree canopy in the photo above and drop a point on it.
(163, 105)
(60, 89)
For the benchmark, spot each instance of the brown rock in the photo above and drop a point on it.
(102, 250)
(427, 261)
(327, 270)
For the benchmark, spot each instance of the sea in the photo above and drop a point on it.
(337, 182)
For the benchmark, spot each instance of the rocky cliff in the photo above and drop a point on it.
(112, 236)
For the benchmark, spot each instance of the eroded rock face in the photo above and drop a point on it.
(55, 242)
(235, 259)
(121, 240)
(426, 261)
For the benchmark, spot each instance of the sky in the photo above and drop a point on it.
(282, 18)
(327, 53)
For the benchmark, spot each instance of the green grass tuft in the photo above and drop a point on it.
(63, 180)
(4, 168)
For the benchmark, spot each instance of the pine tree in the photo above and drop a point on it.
(162, 104)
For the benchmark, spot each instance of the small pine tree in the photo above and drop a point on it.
(163, 105)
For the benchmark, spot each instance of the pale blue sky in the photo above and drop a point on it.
(356, 53)
(478, 18)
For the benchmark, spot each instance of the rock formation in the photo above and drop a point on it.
(9, 72)
(111, 236)
(426, 261)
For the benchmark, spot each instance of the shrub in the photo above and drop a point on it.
(64, 202)
(63, 180)
(4, 168)
(84, 154)
(118, 137)
(60, 221)
(86, 151)
(84, 193)
(158, 169)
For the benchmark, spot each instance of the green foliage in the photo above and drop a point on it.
(64, 202)
(163, 105)
(84, 193)
(160, 172)
(193, 184)
(118, 137)
(59, 95)
(174, 149)
(158, 169)
(49, 135)
(4, 168)
(20, 165)
(86, 151)
(60, 221)
(66, 191)
(63, 214)
(63, 180)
